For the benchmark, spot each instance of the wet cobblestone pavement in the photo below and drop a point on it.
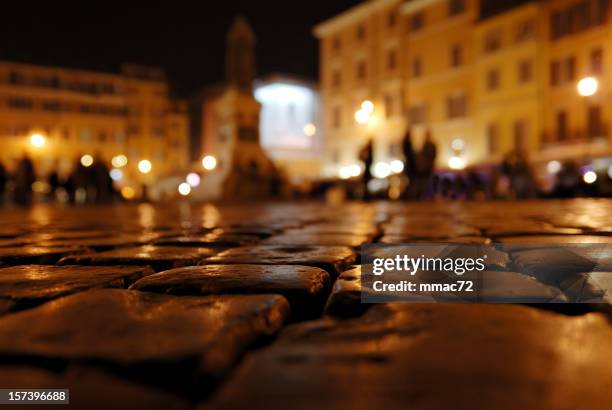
(258, 307)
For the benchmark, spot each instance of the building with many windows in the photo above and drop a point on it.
(57, 115)
(535, 77)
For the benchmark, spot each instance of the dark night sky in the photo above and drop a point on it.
(187, 38)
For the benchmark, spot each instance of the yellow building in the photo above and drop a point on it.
(72, 113)
(509, 82)
(484, 84)
(361, 60)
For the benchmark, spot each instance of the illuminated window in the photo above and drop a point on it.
(525, 31)
(596, 61)
(456, 106)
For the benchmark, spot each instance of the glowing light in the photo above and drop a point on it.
(589, 177)
(41, 187)
(209, 162)
(184, 188)
(193, 179)
(587, 86)
(37, 141)
(119, 161)
(87, 160)
(145, 166)
(127, 192)
(116, 174)
(367, 106)
(362, 117)
(553, 167)
(458, 144)
(381, 170)
(310, 129)
(456, 162)
(397, 166)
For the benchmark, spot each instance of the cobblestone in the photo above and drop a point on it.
(259, 306)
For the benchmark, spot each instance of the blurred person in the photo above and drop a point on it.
(24, 178)
(367, 156)
(426, 164)
(522, 180)
(76, 184)
(54, 184)
(101, 182)
(568, 181)
(409, 164)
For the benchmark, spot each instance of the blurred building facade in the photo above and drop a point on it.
(57, 115)
(289, 126)
(483, 83)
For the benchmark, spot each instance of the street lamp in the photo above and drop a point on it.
(209, 162)
(587, 86)
(87, 160)
(119, 161)
(37, 141)
(364, 114)
(145, 166)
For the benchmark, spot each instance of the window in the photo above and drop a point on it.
(570, 68)
(493, 138)
(520, 134)
(337, 117)
(417, 21)
(361, 70)
(596, 61)
(417, 114)
(389, 106)
(493, 79)
(391, 18)
(361, 32)
(85, 135)
(525, 71)
(555, 73)
(456, 106)
(455, 7)
(20, 103)
(416, 68)
(391, 60)
(492, 42)
(525, 31)
(456, 56)
(577, 17)
(336, 78)
(336, 44)
(562, 129)
(594, 128)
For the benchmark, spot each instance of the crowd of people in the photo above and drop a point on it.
(512, 178)
(84, 184)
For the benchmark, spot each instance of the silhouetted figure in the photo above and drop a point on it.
(568, 181)
(367, 156)
(24, 178)
(76, 185)
(102, 182)
(3, 181)
(54, 184)
(410, 163)
(426, 163)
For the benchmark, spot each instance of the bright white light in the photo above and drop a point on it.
(354, 170)
(193, 179)
(209, 162)
(458, 144)
(589, 177)
(116, 174)
(37, 141)
(145, 166)
(362, 117)
(381, 170)
(344, 172)
(587, 86)
(397, 166)
(553, 167)
(86, 160)
(282, 92)
(184, 188)
(310, 129)
(119, 161)
(456, 162)
(367, 106)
